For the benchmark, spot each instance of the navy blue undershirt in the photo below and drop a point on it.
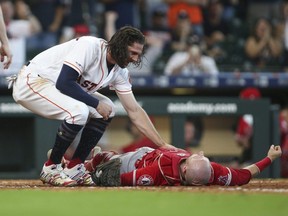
(67, 84)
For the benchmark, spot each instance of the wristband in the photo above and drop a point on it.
(263, 163)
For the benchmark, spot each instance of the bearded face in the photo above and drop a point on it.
(131, 54)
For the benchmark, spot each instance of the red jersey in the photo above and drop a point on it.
(226, 176)
(161, 168)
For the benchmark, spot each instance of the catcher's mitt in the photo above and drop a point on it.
(107, 174)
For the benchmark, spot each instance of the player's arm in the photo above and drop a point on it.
(147, 176)
(140, 119)
(229, 176)
(273, 153)
(67, 84)
(4, 43)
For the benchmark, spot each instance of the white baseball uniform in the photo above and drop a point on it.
(129, 159)
(35, 86)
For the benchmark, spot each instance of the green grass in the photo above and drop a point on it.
(138, 203)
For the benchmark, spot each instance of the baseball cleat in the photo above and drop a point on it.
(79, 174)
(55, 176)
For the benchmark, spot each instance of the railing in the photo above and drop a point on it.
(223, 80)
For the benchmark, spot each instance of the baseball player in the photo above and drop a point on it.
(174, 167)
(61, 83)
(4, 43)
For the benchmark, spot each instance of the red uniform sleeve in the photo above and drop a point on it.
(226, 176)
(147, 176)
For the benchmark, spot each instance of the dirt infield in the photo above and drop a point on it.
(255, 186)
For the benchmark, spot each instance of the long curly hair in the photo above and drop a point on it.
(118, 44)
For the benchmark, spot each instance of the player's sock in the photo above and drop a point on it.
(73, 163)
(64, 137)
(91, 134)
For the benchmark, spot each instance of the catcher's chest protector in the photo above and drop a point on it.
(169, 164)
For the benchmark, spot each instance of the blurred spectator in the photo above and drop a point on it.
(262, 48)
(193, 131)
(225, 31)
(235, 9)
(283, 120)
(20, 22)
(216, 28)
(157, 37)
(119, 13)
(51, 15)
(150, 7)
(183, 32)
(191, 62)
(282, 34)
(78, 20)
(244, 129)
(139, 140)
(70, 32)
(192, 8)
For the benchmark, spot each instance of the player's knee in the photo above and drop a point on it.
(80, 114)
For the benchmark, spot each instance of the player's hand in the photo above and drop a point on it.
(104, 110)
(274, 152)
(5, 51)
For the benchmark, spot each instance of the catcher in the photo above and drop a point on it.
(169, 167)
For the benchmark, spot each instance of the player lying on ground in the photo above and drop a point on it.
(163, 167)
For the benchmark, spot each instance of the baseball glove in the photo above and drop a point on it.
(107, 174)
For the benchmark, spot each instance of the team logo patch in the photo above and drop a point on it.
(145, 180)
(223, 179)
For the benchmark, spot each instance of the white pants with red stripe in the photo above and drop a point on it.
(40, 96)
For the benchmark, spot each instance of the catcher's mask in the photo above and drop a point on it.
(197, 170)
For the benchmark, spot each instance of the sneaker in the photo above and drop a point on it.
(80, 175)
(55, 176)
